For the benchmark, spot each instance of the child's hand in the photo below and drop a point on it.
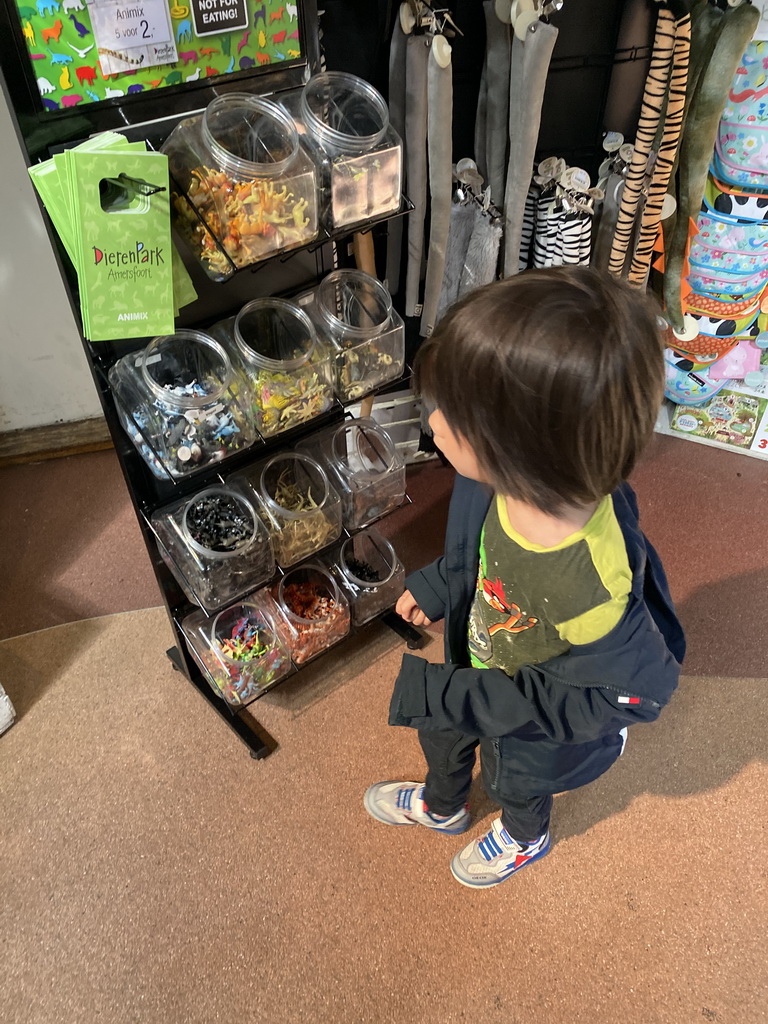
(407, 609)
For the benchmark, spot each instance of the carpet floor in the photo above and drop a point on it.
(154, 874)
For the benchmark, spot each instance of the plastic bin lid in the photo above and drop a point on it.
(345, 110)
(249, 135)
(354, 303)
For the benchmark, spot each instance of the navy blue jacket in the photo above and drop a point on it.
(558, 722)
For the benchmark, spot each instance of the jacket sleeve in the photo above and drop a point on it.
(626, 677)
(488, 702)
(430, 589)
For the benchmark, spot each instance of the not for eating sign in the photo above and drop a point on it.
(213, 16)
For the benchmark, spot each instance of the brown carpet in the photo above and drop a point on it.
(155, 874)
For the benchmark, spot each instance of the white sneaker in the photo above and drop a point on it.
(7, 712)
(495, 857)
(402, 803)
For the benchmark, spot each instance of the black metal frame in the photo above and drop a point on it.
(41, 133)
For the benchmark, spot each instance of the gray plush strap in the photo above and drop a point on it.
(397, 58)
(439, 122)
(417, 56)
(528, 78)
(462, 222)
(482, 254)
(498, 55)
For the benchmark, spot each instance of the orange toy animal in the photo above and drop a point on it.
(53, 32)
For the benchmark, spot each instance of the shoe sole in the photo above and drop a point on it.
(456, 830)
(490, 885)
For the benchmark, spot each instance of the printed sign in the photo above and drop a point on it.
(82, 53)
(131, 34)
(214, 16)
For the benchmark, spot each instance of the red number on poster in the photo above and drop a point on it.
(763, 444)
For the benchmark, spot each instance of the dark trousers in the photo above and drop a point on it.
(450, 760)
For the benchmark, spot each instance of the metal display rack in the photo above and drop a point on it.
(42, 133)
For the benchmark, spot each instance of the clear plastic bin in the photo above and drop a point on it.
(288, 369)
(241, 650)
(315, 610)
(370, 574)
(215, 545)
(345, 124)
(363, 465)
(353, 313)
(247, 187)
(181, 403)
(301, 509)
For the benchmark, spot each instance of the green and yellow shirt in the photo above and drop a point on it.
(533, 603)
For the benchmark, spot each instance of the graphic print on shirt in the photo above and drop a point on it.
(530, 604)
(492, 592)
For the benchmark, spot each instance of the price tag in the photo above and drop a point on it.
(132, 33)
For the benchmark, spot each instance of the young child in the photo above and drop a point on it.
(559, 628)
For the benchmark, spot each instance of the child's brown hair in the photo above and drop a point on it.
(554, 377)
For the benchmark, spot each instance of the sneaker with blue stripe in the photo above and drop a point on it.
(495, 857)
(402, 803)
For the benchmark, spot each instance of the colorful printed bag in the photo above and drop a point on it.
(706, 279)
(726, 308)
(742, 143)
(729, 261)
(690, 387)
(730, 202)
(724, 327)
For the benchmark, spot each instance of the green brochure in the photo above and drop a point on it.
(123, 251)
(56, 180)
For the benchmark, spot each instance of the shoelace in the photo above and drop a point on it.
(404, 798)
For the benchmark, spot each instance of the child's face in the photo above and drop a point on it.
(456, 449)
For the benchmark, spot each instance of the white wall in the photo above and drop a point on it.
(44, 376)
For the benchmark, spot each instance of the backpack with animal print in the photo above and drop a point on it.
(741, 152)
(732, 203)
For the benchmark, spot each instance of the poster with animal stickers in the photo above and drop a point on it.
(84, 53)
